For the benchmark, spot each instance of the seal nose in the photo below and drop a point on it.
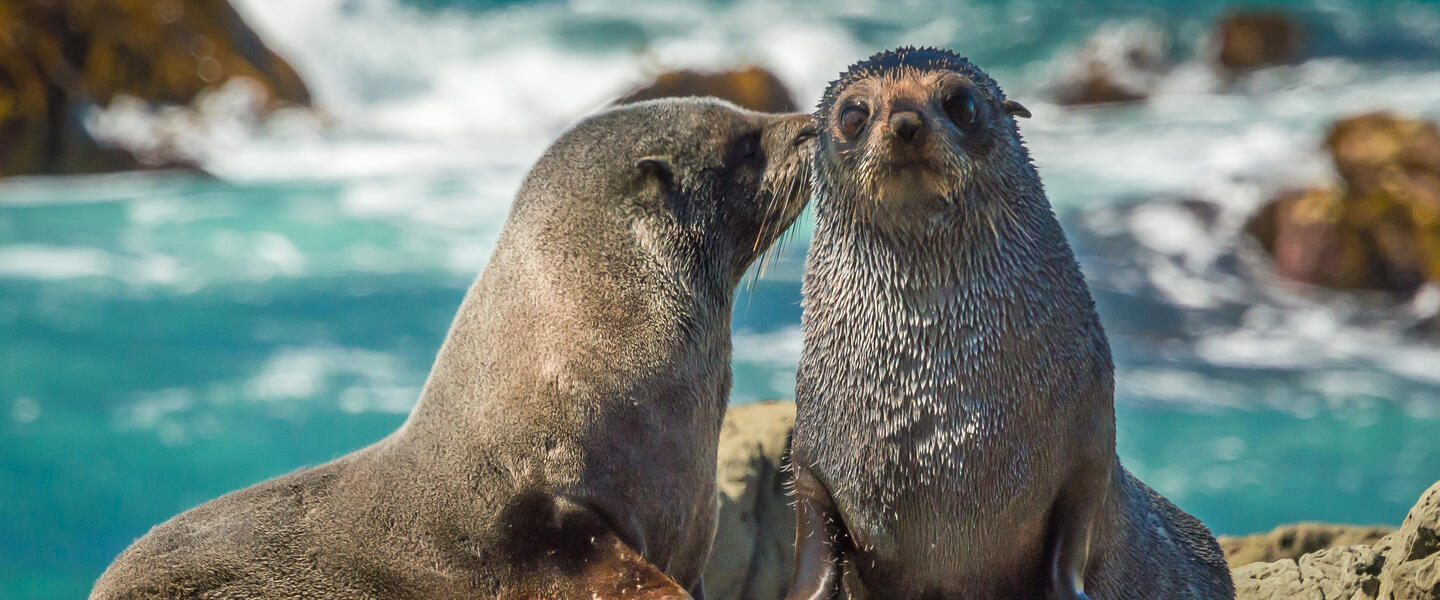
(906, 124)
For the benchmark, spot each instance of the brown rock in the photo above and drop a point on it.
(751, 87)
(1296, 540)
(1381, 229)
(1098, 85)
(753, 556)
(1119, 63)
(59, 58)
(1365, 147)
(1253, 39)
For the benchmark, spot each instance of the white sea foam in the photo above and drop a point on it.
(448, 90)
(778, 347)
(36, 261)
(364, 380)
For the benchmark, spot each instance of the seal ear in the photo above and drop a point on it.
(1016, 109)
(659, 169)
(657, 177)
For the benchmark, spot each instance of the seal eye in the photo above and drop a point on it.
(852, 120)
(749, 147)
(963, 109)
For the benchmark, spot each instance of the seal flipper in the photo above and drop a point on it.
(1066, 583)
(617, 571)
(817, 560)
(568, 550)
(1072, 527)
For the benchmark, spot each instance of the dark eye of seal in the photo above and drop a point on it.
(963, 109)
(747, 148)
(853, 119)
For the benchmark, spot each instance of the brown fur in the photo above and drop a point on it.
(564, 444)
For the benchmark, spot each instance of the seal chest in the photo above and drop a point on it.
(955, 422)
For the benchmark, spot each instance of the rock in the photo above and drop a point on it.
(1308, 236)
(1404, 565)
(753, 557)
(751, 87)
(1381, 228)
(61, 58)
(1269, 581)
(1249, 40)
(1342, 573)
(1119, 63)
(1414, 580)
(1295, 540)
(1413, 553)
(1368, 148)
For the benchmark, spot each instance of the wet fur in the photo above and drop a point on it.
(564, 444)
(955, 394)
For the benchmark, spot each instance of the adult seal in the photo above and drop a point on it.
(955, 430)
(564, 444)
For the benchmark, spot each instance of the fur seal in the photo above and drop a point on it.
(564, 443)
(955, 431)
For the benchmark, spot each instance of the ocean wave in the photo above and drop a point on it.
(362, 380)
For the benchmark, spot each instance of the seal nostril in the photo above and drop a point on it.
(905, 125)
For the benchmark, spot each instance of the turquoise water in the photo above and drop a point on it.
(167, 338)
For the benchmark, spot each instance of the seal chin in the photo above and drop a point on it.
(911, 187)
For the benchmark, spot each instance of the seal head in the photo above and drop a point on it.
(915, 131)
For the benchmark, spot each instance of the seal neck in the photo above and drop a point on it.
(552, 330)
(958, 310)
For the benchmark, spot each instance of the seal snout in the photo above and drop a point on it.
(905, 125)
(905, 135)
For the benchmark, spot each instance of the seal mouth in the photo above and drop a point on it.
(901, 166)
(916, 184)
(908, 169)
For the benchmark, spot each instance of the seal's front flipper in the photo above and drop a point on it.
(817, 559)
(617, 571)
(1072, 527)
(698, 592)
(1066, 582)
(562, 548)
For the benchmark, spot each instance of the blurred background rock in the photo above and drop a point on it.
(281, 204)
(62, 58)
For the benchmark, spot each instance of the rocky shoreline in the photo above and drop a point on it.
(1306, 561)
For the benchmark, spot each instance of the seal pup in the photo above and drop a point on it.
(955, 430)
(564, 445)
